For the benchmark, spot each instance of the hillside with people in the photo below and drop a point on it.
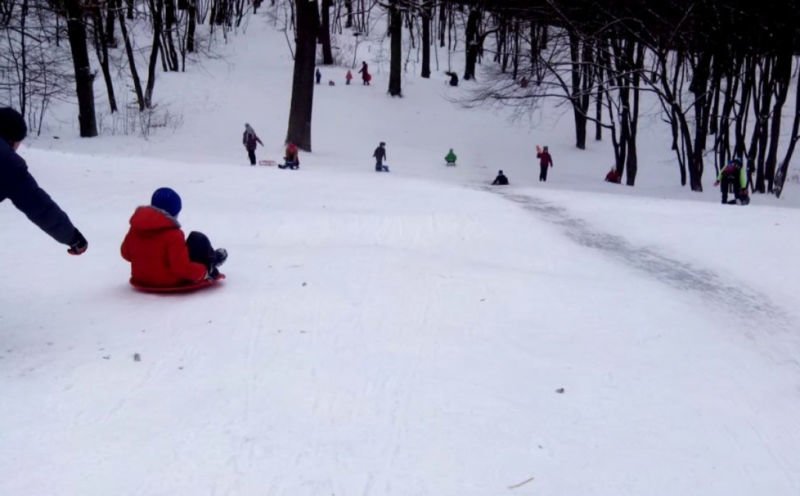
(442, 295)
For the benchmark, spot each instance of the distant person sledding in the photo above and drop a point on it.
(365, 75)
(734, 176)
(380, 156)
(161, 260)
(613, 176)
(500, 180)
(450, 158)
(292, 158)
(453, 78)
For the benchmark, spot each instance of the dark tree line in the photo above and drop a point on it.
(721, 70)
(35, 34)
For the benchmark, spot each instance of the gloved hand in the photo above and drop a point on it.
(716, 183)
(78, 245)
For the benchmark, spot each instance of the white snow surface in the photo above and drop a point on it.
(410, 333)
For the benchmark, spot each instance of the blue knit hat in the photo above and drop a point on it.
(167, 200)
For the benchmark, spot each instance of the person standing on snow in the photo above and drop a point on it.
(365, 77)
(249, 140)
(157, 251)
(380, 156)
(545, 161)
(348, 77)
(19, 186)
(733, 175)
(318, 75)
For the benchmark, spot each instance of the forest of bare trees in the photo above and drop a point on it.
(721, 72)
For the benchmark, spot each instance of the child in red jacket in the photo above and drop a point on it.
(157, 251)
(291, 158)
(545, 161)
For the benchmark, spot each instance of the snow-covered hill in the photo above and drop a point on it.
(392, 334)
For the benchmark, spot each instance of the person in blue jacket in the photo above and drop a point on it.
(19, 186)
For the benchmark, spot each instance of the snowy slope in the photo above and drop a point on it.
(395, 334)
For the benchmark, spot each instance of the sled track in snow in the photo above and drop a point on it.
(681, 275)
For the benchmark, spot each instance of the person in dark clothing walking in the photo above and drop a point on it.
(19, 186)
(500, 180)
(365, 76)
(318, 75)
(250, 139)
(545, 161)
(380, 156)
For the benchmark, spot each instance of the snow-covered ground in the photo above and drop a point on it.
(393, 334)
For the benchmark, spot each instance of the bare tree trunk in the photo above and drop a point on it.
(472, 42)
(784, 167)
(101, 49)
(427, 12)
(442, 21)
(348, 6)
(23, 93)
(598, 110)
(84, 78)
(137, 84)
(396, 58)
(300, 112)
(191, 12)
(170, 22)
(325, 33)
(155, 8)
(782, 79)
(111, 7)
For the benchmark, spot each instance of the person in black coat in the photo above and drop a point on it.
(17, 184)
(380, 156)
(365, 75)
(453, 78)
(500, 180)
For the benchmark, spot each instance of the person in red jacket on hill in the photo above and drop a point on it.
(291, 159)
(157, 251)
(545, 161)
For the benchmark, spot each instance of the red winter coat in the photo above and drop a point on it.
(544, 159)
(156, 248)
(291, 152)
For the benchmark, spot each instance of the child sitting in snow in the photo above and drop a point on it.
(450, 158)
(500, 180)
(157, 251)
(613, 176)
(292, 160)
